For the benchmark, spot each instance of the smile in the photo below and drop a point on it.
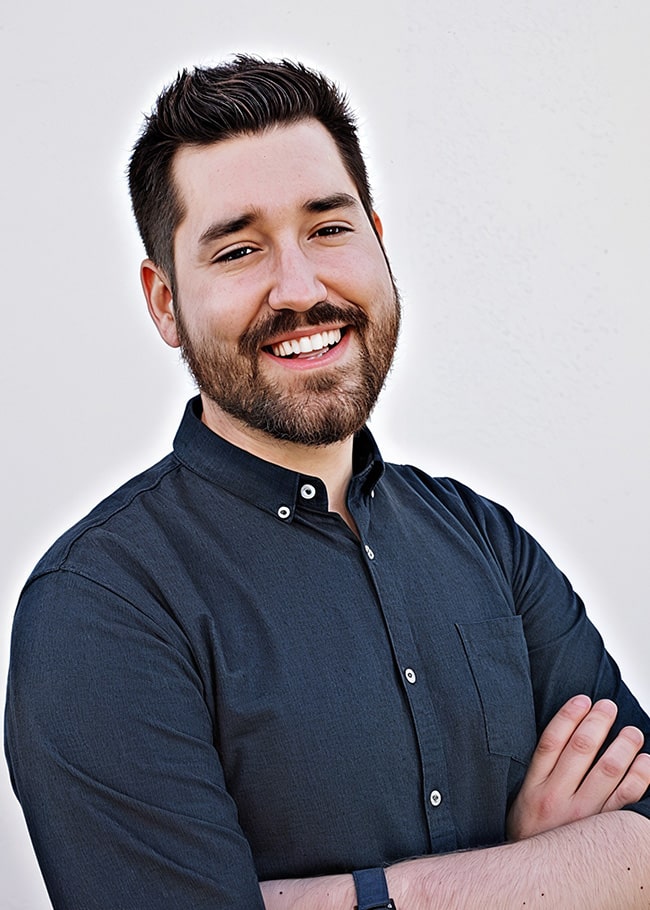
(319, 342)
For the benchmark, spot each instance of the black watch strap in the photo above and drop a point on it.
(372, 890)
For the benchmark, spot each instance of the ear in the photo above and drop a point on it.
(379, 227)
(157, 290)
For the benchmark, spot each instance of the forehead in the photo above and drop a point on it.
(278, 168)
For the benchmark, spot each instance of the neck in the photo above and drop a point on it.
(331, 463)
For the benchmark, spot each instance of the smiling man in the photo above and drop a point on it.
(272, 670)
(294, 314)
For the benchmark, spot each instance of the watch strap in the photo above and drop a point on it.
(372, 890)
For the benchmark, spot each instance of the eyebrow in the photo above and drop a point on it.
(327, 203)
(220, 229)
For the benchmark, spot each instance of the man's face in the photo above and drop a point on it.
(285, 309)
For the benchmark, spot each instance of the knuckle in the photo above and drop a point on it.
(641, 768)
(582, 743)
(546, 807)
(634, 784)
(548, 743)
(610, 767)
(576, 811)
(629, 791)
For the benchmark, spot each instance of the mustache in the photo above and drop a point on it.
(286, 321)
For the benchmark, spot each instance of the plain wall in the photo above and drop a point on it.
(508, 145)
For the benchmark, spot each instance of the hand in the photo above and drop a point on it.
(561, 785)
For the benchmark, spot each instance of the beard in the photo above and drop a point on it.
(309, 408)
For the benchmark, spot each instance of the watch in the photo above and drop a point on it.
(372, 890)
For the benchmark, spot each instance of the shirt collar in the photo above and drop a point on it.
(268, 486)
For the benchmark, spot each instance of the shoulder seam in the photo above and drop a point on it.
(60, 563)
(78, 573)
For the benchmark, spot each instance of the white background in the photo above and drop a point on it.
(508, 144)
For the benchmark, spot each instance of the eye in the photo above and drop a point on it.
(331, 230)
(232, 255)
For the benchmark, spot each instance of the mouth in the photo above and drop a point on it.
(306, 346)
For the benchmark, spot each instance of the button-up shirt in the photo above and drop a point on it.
(214, 681)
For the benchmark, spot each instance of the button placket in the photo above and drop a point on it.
(414, 681)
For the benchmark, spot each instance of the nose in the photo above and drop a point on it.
(296, 285)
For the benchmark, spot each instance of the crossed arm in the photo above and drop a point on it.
(568, 845)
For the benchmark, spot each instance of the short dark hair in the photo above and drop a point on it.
(208, 104)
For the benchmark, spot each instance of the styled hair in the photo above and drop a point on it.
(208, 104)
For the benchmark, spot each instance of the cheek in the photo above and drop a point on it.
(367, 273)
(373, 290)
(213, 310)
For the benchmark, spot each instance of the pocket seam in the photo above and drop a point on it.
(503, 672)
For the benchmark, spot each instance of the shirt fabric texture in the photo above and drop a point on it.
(213, 681)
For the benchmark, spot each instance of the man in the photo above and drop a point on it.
(272, 658)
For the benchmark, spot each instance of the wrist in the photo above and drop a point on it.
(409, 884)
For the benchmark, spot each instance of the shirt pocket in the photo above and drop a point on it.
(497, 654)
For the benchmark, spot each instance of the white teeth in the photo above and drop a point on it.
(307, 343)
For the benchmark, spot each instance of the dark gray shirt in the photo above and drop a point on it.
(213, 681)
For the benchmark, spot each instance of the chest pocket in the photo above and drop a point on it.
(498, 658)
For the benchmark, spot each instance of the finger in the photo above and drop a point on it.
(633, 786)
(584, 744)
(555, 737)
(610, 770)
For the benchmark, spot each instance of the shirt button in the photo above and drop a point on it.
(284, 512)
(369, 552)
(435, 798)
(307, 491)
(410, 675)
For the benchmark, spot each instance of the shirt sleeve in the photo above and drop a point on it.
(566, 652)
(111, 753)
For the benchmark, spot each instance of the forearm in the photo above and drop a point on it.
(328, 892)
(598, 863)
